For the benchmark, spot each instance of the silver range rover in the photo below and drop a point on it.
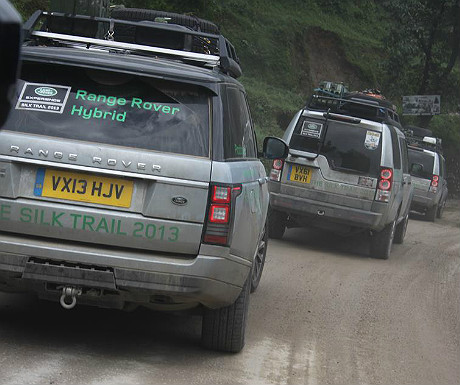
(131, 179)
(347, 172)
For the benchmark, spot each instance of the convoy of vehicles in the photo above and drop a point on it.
(347, 171)
(130, 172)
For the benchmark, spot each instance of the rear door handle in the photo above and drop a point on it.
(262, 180)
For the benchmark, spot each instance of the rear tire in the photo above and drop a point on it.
(441, 209)
(382, 242)
(127, 33)
(400, 231)
(259, 260)
(276, 224)
(431, 213)
(224, 329)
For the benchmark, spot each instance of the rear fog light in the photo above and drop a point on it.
(277, 167)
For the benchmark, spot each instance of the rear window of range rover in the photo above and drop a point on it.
(112, 108)
(347, 147)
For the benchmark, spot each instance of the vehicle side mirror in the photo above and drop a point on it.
(416, 169)
(10, 45)
(275, 148)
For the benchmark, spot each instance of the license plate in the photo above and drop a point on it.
(83, 187)
(300, 174)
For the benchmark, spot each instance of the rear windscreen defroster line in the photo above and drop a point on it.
(112, 108)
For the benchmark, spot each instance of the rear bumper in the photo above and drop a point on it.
(422, 202)
(213, 278)
(326, 212)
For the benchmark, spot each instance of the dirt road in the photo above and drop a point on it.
(324, 313)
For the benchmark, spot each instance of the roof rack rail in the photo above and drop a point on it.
(217, 51)
(430, 143)
(374, 110)
(422, 138)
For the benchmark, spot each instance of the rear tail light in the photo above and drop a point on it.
(434, 183)
(385, 184)
(221, 194)
(219, 214)
(277, 167)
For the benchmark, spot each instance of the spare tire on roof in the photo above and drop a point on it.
(192, 22)
(139, 35)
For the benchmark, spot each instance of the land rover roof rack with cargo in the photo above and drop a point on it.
(129, 172)
(422, 138)
(347, 171)
(357, 104)
(144, 37)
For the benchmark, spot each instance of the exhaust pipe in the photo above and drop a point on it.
(69, 295)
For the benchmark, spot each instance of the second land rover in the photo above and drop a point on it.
(347, 171)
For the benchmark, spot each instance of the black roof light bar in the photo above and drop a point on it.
(86, 30)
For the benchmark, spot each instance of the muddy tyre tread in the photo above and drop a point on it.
(431, 213)
(400, 230)
(255, 279)
(440, 211)
(380, 248)
(224, 329)
(276, 224)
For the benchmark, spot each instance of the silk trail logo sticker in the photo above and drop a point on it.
(372, 140)
(43, 97)
(311, 129)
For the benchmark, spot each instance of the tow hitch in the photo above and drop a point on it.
(69, 295)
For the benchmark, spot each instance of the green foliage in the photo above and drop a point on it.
(447, 127)
(27, 7)
(271, 108)
(422, 46)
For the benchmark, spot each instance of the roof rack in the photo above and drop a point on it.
(422, 138)
(88, 31)
(351, 105)
(425, 143)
